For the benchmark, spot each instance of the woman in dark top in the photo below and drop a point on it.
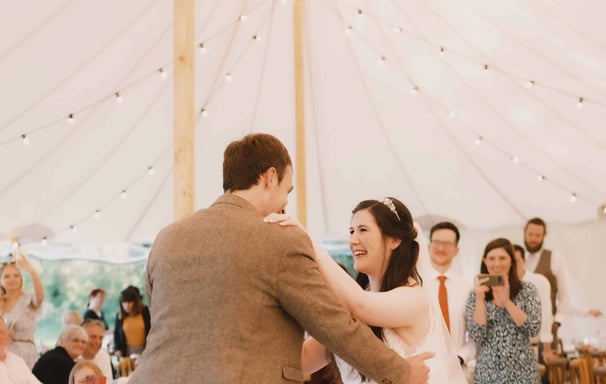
(132, 323)
(54, 366)
(96, 300)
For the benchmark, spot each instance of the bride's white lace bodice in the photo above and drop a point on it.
(444, 366)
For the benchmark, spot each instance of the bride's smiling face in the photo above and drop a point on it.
(370, 249)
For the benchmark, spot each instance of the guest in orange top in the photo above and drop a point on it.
(132, 323)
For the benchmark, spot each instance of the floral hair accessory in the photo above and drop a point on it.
(386, 201)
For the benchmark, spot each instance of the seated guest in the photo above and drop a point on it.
(55, 365)
(93, 352)
(12, 367)
(96, 301)
(84, 371)
(71, 318)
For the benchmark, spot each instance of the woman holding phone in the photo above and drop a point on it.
(20, 309)
(501, 318)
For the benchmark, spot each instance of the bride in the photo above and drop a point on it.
(392, 300)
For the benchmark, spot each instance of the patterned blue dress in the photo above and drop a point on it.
(504, 354)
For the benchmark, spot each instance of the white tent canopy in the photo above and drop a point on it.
(456, 108)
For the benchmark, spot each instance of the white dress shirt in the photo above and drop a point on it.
(544, 289)
(13, 370)
(103, 361)
(564, 304)
(458, 288)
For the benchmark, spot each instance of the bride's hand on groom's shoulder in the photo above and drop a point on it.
(283, 220)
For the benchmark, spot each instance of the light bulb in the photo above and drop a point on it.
(25, 139)
(573, 198)
(580, 103)
(97, 214)
(44, 240)
(119, 98)
(151, 171)
(204, 112)
(228, 77)
(540, 178)
(396, 30)
(257, 38)
(73, 228)
(485, 68)
(163, 73)
(413, 90)
(381, 61)
(243, 17)
(515, 159)
(123, 195)
(442, 51)
(70, 118)
(530, 84)
(478, 140)
(348, 30)
(203, 48)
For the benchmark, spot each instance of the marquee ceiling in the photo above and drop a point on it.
(456, 108)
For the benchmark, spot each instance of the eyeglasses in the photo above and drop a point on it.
(81, 341)
(445, 244)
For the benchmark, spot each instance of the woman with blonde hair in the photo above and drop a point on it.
(54, 366)
(20, 309)
(83, 372)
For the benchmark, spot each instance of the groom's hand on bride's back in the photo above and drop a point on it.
(419, 371)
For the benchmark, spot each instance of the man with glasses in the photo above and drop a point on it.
(451, 289)
(12, 367)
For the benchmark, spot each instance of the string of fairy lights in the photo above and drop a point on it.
(118, 96)
(478, 139)
(228, 72)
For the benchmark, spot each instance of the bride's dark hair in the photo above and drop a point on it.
(394, 220)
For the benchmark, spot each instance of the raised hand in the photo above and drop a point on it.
(480, 288)
(284, 220)
(501, 293)
(22, 261)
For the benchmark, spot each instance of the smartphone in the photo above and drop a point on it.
(493, 280)
(15, 251)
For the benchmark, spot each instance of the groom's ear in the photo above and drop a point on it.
(269, 177)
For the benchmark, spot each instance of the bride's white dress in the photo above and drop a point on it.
(444, 366)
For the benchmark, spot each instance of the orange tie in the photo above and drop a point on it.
(443, 299)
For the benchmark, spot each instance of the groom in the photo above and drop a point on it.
(230, 296)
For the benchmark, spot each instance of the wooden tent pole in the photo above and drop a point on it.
(300, 114)
(183, 130)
